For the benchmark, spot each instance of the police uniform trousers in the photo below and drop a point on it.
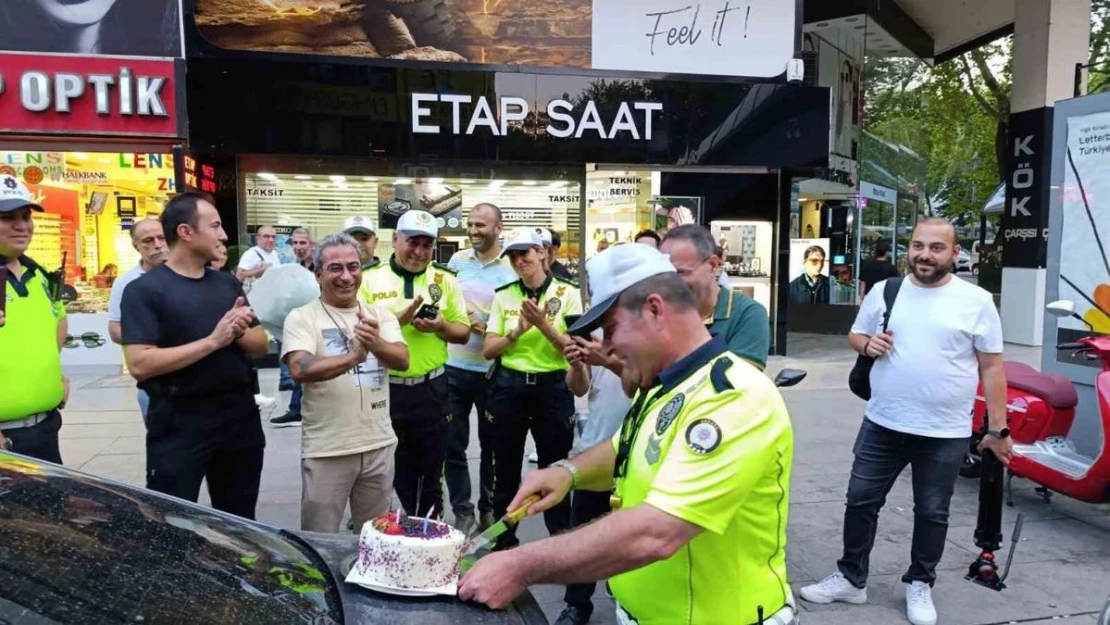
(516, 403)
(419, 414)
(217, 438)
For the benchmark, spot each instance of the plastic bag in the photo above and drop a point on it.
(278, 292)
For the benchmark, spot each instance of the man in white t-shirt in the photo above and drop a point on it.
(258, 258)
(149, 241)
(944, 336)
(340, 349)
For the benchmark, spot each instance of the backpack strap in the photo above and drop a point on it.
(890, 293)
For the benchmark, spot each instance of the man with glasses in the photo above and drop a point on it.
(340, 349)
(742, 321)
(811, 287)
(149, 241)
(429, 305)
(32, 331)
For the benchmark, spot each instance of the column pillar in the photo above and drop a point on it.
(1050, 37)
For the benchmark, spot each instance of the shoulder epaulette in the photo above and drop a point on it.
(718, 375)
(565, 281)
(505, 286)
(445, 268)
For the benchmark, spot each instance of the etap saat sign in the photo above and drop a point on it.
(88, 96)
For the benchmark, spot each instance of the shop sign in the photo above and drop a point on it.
(565, 122)
(87, 95)
(198, 176)
(878, 193)
(1025, 213)
(33, 167)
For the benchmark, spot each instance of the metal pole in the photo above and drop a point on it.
(1078, 90)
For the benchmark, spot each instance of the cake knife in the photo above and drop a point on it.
(486, 538)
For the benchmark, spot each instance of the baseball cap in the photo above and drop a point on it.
(519, 239)
(416, 223)
(359, 223)
(613, 271)
(545, 236)
(14, 195)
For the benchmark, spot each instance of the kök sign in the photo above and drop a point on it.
(633, 118)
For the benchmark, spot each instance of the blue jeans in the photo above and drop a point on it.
(144, 404)
(283, 372)
(295, 400)
(881, 454)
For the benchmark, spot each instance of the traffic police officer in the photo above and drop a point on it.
(526, 333)
(33, 329)
(700, 470)
(429, 305)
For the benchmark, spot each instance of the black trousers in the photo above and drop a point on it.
(515, 407)
(466, 390)
(881, 454)
(218, 439)
(39, 440)
(586, 506)
(420, 418)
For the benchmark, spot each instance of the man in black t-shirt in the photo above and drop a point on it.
(877, 268)
(187, 336)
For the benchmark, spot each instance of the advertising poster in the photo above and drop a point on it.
(1085, 268)
(149, 28)
(809, 271)
(724, 37)
(672, 211)
(443, 201)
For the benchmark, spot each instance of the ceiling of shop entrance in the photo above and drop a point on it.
(955, 23)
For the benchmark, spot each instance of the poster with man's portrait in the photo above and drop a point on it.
(809, 271)
(150, 28)
(672, 211)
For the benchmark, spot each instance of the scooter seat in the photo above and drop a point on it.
(1057, 390)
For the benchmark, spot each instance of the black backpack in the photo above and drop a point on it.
(859, 380)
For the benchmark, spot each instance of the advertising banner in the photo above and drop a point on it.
(1025, 214)
(443, 201)
(809, 271)
(672, 211)
(753, 38)
(92, 27)
(1085, 266)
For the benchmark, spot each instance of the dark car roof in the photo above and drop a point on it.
(80, 549)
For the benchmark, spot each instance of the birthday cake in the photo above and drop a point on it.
(399, 551)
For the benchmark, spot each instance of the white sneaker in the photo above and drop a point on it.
(835, 587)
(919, 604)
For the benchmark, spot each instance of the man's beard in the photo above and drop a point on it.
(939, 272)
(483, 244)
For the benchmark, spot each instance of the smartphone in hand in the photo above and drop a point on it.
(427, 311)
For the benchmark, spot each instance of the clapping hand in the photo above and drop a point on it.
(406, 316)
(366, 334)
(533, 314)
(234, 323)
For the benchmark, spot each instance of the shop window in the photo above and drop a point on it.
(322, 203)
(91, 201)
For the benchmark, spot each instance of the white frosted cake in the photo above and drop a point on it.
(401, 553)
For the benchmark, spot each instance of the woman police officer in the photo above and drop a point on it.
(526, 335)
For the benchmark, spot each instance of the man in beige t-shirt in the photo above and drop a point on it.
(340, 350)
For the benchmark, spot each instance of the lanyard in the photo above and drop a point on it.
(630, 427)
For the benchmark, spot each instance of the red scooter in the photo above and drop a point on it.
(1040, 409)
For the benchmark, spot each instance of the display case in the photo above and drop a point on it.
(747, 253)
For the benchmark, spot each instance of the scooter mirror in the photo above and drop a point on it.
(789, 377)
(1061, 308)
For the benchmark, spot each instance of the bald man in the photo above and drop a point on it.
(942, 338)
(149, 241)
(260, 257)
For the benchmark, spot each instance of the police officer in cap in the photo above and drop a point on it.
(429, 305)
(526, 333)
(361, 229)
(700, 471)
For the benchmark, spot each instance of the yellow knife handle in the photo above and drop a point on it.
(515, 516)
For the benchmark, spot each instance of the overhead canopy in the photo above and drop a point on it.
(957, 26)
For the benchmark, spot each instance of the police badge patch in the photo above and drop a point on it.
(703, 436)
(436, 293)
(668, 414)
(554, 305)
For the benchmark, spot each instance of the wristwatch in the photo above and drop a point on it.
(1003, 433)
(566, 464)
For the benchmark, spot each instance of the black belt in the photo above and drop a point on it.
(546, 378)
